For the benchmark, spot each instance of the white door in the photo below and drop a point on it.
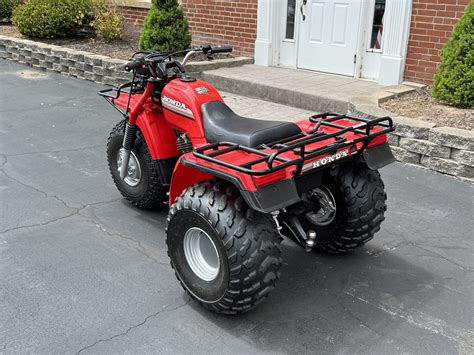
(328, 35)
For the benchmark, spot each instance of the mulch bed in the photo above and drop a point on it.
(122, 49)
(420, 105)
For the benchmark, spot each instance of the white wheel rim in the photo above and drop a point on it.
(134, 171)
(201, 254)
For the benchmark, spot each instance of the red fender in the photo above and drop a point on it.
(159, 136)
(183, 177)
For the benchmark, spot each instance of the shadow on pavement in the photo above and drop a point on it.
(334, 298)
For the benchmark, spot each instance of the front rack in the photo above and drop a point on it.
(112, 94)
(364, 130)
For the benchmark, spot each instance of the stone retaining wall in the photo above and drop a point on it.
(444, 149)
(62, 60)
(85, 65)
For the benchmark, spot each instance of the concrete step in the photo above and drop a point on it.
(198, 67)
(297, 88)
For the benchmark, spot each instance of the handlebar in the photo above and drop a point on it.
(152, 57)
(134, 64)
(221, 49)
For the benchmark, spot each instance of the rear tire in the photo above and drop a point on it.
(362, 193)
(246, 242)
(359, 197)
(147, 192)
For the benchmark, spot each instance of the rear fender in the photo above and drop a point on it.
(378, 156)
(265, 199)
(183, 177)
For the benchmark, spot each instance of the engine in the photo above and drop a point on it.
(183, 142)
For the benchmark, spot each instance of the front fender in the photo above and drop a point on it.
(159, 137)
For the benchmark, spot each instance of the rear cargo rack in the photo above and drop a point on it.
(363, 129)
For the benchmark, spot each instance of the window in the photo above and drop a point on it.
(290, 20)
(377, 25)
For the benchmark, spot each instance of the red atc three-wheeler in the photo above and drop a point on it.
(236, 185)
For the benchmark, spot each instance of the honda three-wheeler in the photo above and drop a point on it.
(235, 185)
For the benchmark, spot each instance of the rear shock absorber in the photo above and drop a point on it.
(128, 143)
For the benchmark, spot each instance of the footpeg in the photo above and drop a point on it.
(310, 240)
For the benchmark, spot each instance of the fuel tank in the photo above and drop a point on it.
(182, 102)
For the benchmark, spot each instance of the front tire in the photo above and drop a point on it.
(238, 262)
(142, 186)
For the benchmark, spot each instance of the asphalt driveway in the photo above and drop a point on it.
(83, 271)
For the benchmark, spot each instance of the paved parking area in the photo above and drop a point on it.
(81, 271)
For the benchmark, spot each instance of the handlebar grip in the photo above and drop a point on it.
(134, 64)
(221, 49)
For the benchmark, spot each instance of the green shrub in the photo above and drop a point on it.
(454, 81)
(93, 8)
(50, 18)
(6, 8)
(108, 24)
(165, 27)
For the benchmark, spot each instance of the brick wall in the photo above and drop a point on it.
(226, 22)
(133, 15)
(431, 25)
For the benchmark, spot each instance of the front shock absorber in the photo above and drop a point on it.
(128, 142)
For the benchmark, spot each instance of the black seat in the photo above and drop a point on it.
(221, 124)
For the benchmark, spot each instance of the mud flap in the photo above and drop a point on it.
(272, 197)
(378, 156)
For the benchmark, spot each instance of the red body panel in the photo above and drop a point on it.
(157, 123)
(181, 111)
(191, 95)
